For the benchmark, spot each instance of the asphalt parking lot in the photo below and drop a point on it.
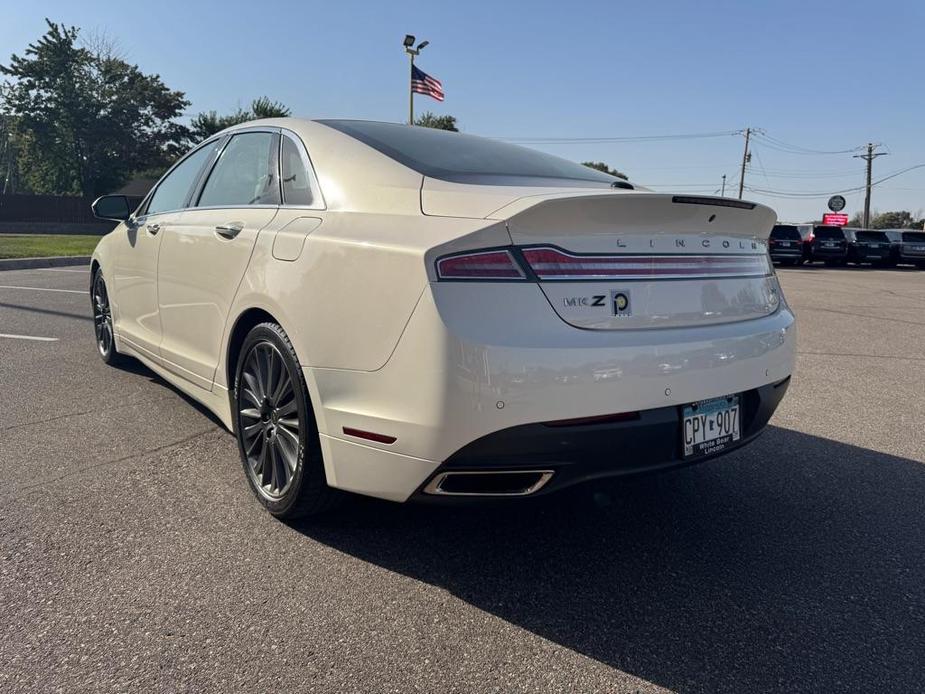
(133, 557)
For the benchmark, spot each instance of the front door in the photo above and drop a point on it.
(136, 311)
(205, 254)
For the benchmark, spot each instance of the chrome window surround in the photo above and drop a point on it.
(317, 194)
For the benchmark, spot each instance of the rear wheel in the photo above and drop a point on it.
(275, 427)
(102, 321)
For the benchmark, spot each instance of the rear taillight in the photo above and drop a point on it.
(482, 265)
(553, 264)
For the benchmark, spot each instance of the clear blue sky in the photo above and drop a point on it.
(826, 76)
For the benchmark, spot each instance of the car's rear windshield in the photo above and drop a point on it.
(458, 157)
(830, 233)
(785, 231)
(876, 236)
(914, 236)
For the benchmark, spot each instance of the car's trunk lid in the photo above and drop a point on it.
(625, 260)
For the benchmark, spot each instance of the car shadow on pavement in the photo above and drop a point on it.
(795, 564)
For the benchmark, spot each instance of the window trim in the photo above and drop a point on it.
(274, 165)
(142, 211)
(317, 196)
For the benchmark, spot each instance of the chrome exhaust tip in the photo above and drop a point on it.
(489, 483)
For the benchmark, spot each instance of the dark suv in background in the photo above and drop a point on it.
(912, 247)
(868, 246)
(785, 244)
(830, 245)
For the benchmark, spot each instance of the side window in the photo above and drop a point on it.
(299, 184)
(172, 191)
(245, 174)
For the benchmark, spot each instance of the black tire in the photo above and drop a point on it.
(102, 321)
(275, 427)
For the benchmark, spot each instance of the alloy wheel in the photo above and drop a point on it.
(268, 419)
(102, 316)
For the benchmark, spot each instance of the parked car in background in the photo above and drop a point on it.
(785, 244)
(912, 247)
(830, 245)
(868, 246)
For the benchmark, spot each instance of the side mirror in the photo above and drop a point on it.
(112, 207)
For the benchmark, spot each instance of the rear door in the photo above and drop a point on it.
(204, 255)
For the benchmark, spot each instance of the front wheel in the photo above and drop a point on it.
(102, 321)
(275, 427)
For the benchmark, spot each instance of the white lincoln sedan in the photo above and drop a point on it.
(412, 313)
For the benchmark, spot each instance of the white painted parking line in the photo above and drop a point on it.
(29, 337)
(45, 289)
(61, 269)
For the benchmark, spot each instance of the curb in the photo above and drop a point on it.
(53, 261)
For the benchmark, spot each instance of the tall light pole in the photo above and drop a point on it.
(723, 193)
(408, 43)
(869, 158)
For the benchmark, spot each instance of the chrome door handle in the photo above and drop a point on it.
(153, 228)
(229, 230)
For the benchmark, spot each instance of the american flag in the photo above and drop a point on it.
(422, 83)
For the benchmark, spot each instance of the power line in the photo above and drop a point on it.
(824, 194)
(607, 139)
(781, 146)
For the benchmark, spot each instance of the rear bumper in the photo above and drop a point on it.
(475, 360)
(866, 253)
(910, 256)
(577, 454)
(822, 253)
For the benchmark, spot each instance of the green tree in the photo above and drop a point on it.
(208, 123)
(432, 120)
(84, 121)
(601, 166)
(894, 220)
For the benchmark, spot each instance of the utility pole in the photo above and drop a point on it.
(869, 158)
(746, 157)
(723, 193)
(408, 43)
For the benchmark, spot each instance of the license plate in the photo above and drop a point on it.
(784, 243)
(918, 248)
(830, 245)
(709, 426)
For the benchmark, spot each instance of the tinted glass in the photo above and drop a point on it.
(244, 174)
(297, 188)
(172, 191)
(877, 236)
(785, 231)
(830, 233)
(914, 236)
(458, 157)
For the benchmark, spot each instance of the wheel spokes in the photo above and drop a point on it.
(268, 419)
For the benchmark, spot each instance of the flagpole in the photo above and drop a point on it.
(411, 91)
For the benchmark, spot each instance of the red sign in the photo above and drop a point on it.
(834, 220)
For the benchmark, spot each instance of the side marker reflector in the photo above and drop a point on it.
(369, 435)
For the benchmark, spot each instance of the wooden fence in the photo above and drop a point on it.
(51, 214)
